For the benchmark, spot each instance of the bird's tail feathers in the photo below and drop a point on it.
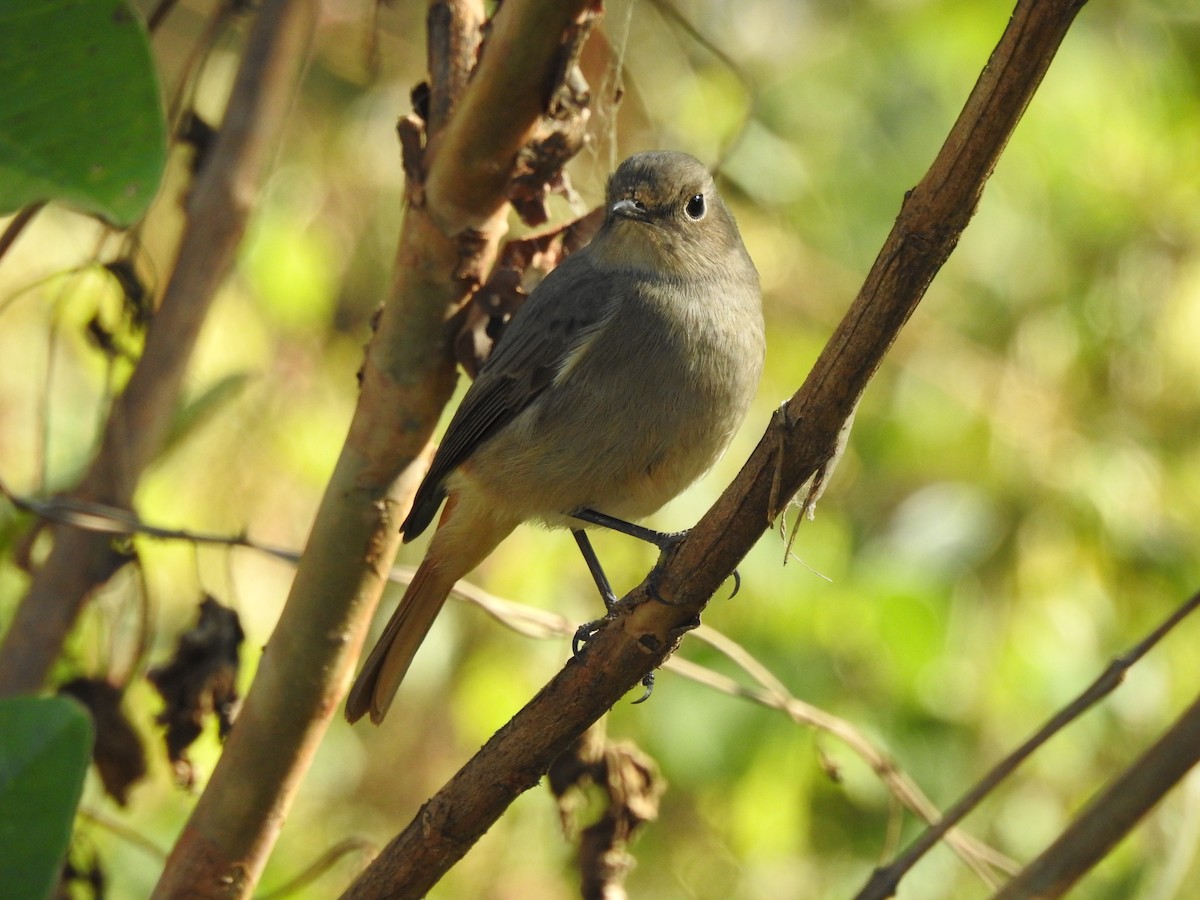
(467, 532)
(388, 663)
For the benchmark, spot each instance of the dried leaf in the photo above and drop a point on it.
(633, 788)
(522, 264)
(200, 681)
(118, 753)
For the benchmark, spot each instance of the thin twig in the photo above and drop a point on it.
(158, 14)
(883, 882)
(17, 224)
(972, 851)
(101, 518)
(124, 832)
(669, 11)
(1111, 814)
(320, 866)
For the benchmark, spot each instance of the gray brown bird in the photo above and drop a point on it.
(617, 384)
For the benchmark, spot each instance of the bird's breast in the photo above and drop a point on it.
(638, 412)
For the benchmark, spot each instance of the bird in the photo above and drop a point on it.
(620, 380)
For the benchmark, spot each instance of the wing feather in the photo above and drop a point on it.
(548, 333)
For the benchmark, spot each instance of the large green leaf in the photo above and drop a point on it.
(45, 745)
(81, 118)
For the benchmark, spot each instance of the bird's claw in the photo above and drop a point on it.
(667, 540)
(648, 684)
(583, 634)
(652, 588)
(589, 630)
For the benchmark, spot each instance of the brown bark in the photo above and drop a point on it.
(407, 378)
(1111, 814)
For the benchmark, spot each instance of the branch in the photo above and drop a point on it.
(1112, 814)
(406, 379)
(17, 224)
(885, 881)
(217, 210)
(101, 518)
(801, 438)
(772, 694)
(478, 150)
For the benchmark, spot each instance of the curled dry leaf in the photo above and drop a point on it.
(632, 787)
(118, 753)
(200, 681)
(539, 171)
(522, 264)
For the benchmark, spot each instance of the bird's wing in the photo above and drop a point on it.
(549, 332)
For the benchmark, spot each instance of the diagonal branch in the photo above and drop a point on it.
(1112, 813)
(885, 880)
(800, 440)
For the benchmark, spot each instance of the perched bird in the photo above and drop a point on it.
(619, 381)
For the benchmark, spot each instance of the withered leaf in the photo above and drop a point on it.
(200, 681)
(118, 753)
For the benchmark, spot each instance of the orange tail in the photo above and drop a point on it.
(467, 533)
(385, 668)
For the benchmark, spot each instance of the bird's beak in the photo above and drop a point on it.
(630, 209)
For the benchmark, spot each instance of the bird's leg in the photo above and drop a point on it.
(593, 564)
(585, 632)
(663, 540)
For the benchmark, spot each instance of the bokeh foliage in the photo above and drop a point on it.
(1020, 500)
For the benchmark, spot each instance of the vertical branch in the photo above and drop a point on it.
(478, 149)
(217, 209)
(453, 44)
(406, 379)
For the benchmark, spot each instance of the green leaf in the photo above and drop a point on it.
(81, 119)
(45, 746)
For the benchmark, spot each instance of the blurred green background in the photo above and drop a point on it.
(1020, 500)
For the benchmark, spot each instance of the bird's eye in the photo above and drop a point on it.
(695, 207)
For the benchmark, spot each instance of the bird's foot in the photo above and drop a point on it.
(585, 633)
(648, 684)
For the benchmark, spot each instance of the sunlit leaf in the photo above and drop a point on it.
(81, 119)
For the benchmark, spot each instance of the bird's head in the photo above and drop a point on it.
(664, 215)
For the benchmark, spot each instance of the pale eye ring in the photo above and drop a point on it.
(695, 208)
